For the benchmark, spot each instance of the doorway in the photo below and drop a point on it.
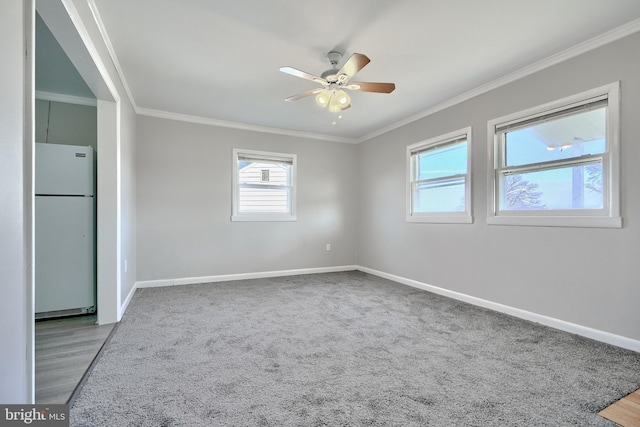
(89, 91)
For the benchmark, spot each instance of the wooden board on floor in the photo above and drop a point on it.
(65, 349)
(625, 411)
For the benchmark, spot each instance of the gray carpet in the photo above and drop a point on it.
(342, 349)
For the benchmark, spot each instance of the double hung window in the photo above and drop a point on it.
(438, 179)
(557, 164)
(263, 186)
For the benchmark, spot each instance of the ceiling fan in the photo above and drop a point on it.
(334, 82)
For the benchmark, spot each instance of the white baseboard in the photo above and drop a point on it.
(585, 331)
(241, 276)
(595, 334)
(125, 304)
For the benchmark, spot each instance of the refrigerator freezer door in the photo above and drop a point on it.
(63, 170)
(64, 253)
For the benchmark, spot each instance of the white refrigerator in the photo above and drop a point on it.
(65, 279)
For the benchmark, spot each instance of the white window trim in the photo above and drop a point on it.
(441, 217)
(235, 191)
(566, 218)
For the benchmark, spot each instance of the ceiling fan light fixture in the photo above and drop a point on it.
(334, 108)
(335, 104)
(339, 101)
(322, 99)
(343, 98)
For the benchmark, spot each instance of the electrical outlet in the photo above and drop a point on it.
(328, 247)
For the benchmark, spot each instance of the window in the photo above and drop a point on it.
(263, 186)
(557, 164)
(438, 179)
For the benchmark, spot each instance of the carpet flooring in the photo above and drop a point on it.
(342, 349)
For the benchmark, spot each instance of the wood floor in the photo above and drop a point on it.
(625, 411)
(65, 349)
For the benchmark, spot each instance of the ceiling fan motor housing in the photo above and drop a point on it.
(334, 57)
(331, 75)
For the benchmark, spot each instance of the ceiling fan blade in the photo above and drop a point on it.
(372, 87)
(355, 63)
(305, 94)
(304, 75)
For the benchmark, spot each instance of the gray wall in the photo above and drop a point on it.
(15, 211)
(64, 123)
(184, 204)
(581, 275)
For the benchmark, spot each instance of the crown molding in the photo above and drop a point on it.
(586, 46)
(68, 99)
(242, 126)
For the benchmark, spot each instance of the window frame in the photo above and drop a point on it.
(445, 217)
(266, 156)
(609, 215)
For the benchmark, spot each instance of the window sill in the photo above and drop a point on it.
(557, 221)
(462, 219)
(264, 218)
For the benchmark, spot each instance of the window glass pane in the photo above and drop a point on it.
(263, 173)
(565, 137)
(577, 187)
(446, 195)
(442, 161)
(270, 200)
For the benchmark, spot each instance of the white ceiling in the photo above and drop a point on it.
(220, 59)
